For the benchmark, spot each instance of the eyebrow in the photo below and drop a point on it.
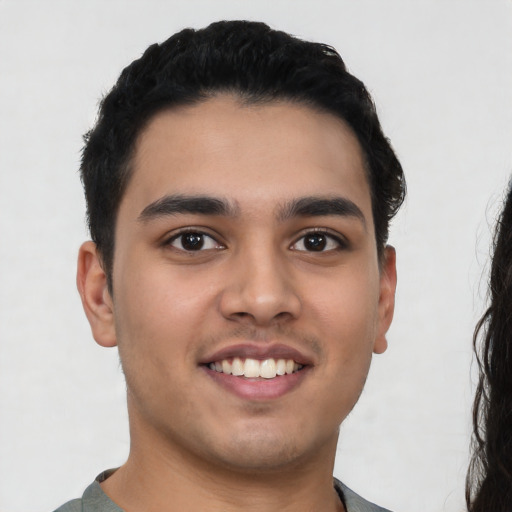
(321, 206)
(179, 204)
(311, 206)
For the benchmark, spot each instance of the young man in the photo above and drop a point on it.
(239, 190)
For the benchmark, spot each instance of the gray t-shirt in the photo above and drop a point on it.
(95, 500)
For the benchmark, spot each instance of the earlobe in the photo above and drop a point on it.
(386, 299)
(92, 285)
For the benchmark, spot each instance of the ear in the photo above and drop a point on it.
(91, 282)
(386, 298)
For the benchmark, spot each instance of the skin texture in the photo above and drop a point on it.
(195, 444)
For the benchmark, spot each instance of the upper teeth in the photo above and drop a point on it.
(268, 368)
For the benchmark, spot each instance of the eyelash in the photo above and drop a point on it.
(340, 241)
(176, 236)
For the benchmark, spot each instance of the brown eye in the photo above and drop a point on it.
(318, 242)
(315, 242)
(191, 241)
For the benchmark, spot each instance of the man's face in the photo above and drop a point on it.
(245, 243)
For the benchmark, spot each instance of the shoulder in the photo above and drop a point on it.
(93, 500)
(354, 502)
(71, 506)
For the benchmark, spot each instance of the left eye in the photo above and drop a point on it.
(317, 242)
(194, 241)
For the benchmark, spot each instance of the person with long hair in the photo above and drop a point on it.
(489, 478)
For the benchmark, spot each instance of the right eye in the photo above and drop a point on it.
(191, 241)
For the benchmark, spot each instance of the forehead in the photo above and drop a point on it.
(269, 153)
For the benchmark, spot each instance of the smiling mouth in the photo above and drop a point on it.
(254, 368)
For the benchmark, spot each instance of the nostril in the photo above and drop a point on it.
(240, 315)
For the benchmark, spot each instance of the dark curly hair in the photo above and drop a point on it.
(489, 478)
(251, 61)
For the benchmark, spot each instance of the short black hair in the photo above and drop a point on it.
(257, 64)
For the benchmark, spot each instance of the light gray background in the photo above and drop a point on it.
(441, 75)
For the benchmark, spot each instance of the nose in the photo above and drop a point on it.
(261, 290)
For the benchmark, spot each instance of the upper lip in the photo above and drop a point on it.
(258, 351)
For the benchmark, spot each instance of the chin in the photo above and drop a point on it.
(252, 452)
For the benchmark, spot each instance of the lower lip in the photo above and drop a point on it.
(258, 389)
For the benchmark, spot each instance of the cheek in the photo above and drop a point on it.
(349, 327)
(157, 295)
(347, 317)
(348, 308)
(156, 329)
(158, 316)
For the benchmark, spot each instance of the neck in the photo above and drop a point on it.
(160, 476)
